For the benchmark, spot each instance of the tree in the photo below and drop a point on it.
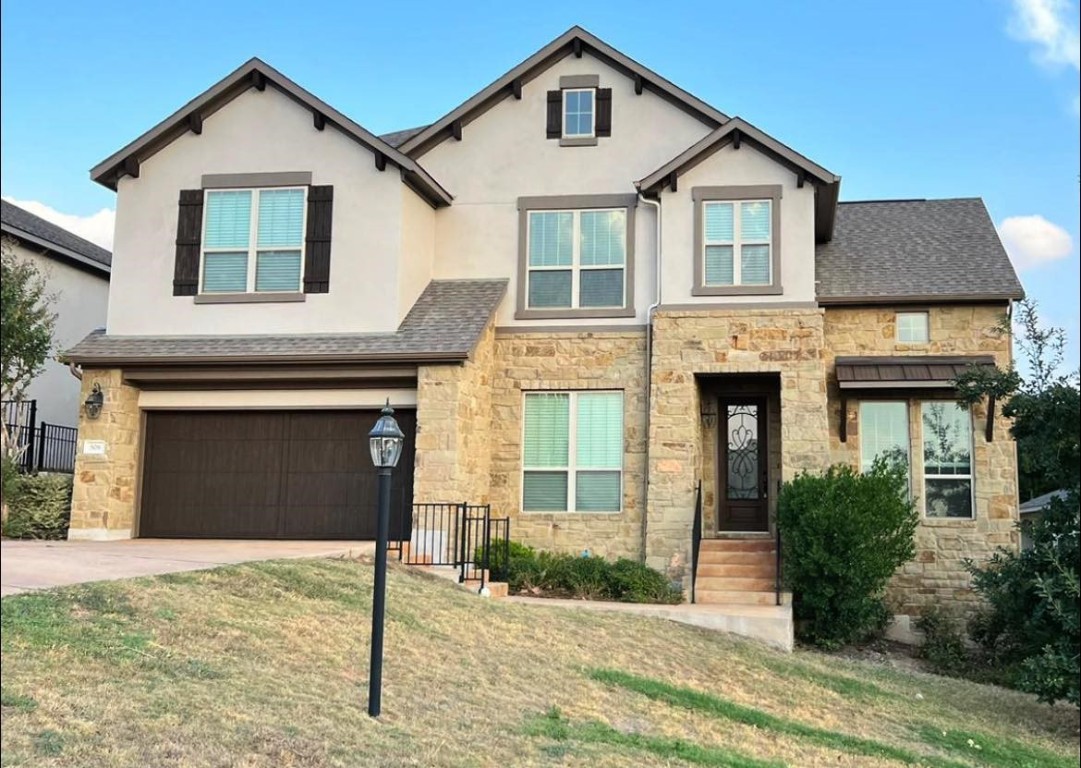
(26, 336)
(1045, 405)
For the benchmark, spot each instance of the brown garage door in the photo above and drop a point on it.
(266, 474)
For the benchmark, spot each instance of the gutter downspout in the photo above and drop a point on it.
(656, 206)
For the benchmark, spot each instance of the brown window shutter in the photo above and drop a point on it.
(603, 125)
(317, 241)
(189, 238)
(555, 114)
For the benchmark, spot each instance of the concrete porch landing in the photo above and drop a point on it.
(769, 624)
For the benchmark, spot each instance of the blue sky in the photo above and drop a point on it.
(916, 99)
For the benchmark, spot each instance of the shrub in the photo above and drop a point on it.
(943, 644)
(587, 577)
(498, 558)
(1031, 620)
(39, 507)
(844, 534)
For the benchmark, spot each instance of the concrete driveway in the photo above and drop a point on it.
(29, 565)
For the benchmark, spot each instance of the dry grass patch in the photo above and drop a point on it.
(266, 665)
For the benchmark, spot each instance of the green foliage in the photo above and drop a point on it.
(943, 644)
(1031, 622)
(844, 534)
(590, 578)
(499, 560)
(1045, 405)
(39, 506)
(9, 476)
(26, 326)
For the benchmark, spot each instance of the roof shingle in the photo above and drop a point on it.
(15, 220)
(444, 324)
(914, 250)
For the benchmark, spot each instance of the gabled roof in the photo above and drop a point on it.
(914, 251)
(1041, 503)
(574, 41)
(443, 326)
(734, 132)
(258, 74)
(29, 228)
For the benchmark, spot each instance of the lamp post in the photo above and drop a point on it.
(385, 440)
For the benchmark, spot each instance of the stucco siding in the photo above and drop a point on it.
(79, 299)
(260, 132)
(417, 250)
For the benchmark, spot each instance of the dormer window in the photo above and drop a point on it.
(578, 113)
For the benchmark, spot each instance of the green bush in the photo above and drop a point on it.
(943, 644)
(587, 577)
(498, 560)
(39, 507)
(1030, 624)
(844, 534)
(10, 477)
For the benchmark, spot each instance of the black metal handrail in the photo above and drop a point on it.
(454, 535)
(778, 564)
(696, 536)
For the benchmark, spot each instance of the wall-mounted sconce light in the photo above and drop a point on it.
(94, 401)
(709, 413)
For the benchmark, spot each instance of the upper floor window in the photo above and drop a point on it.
(737, 248)
(576, 261)
(578, 112)
(736, 239)
(913, 327)
(253, 240)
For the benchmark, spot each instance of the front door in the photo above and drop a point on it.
(743, 475)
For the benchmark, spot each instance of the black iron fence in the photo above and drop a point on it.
(462, 536)
(38, 446)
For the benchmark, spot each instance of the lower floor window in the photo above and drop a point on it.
(572, 456)
(947, 459)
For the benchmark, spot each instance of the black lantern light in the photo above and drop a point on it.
(94, 401)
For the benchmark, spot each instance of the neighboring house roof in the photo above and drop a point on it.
(443, 325)
(734, 132)
(908, 372)
(914, 251)
(25, 226)
(258, 74)
(1041, 503)
(397, 138)
(574, 41)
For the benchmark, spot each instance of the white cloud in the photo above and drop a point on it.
(97, 227)
(1033, 241)
(1052, 26)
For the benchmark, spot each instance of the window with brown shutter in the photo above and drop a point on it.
(603, 124)
(317, 241)
(555, 114)
(189, 230)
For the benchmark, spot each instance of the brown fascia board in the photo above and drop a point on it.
(942, 298)
(65, 254)
(538, 63)
(224, 91)
(113, 361)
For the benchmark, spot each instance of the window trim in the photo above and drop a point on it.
(737, 194)
(897, 325)
(572, 453)
(971, 476)
(629, 202)
(253, 247)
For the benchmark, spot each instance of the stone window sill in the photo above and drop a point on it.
(579, 141)
(249, 298)
(572, 314)
(737, 290)
(948, 522)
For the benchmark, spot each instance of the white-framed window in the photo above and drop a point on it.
(577, 259)
(913, 327)
(578, 113)
(883, 434)
(737, 238)
(572, 452)
(947, 459)
(253, 240)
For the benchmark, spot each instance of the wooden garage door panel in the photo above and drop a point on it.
(266, 474)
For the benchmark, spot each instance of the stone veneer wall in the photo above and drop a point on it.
(454, 423)
(937, 575)
(788, 342)
(103, 499)
(569, 361)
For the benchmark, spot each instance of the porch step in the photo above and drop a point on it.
(737, 597)
(729, 584)
(723, 557)
(752, 569)
(757, 544)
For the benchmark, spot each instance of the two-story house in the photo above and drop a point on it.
(586, 292)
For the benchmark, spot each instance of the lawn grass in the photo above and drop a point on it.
(266, 665)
